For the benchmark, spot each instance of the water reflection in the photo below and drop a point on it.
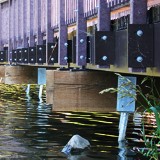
(29, 130)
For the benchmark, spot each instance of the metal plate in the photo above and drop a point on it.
(19, 55)
(69, 51)
(24, 55)
(104, 43)
(126, 103)
(140, 46)
(14, 55)
(52, 56)
(74, 49)
(32, 54)
(3, 56)
(41, 54)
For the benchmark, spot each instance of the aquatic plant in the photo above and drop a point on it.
(150, 102)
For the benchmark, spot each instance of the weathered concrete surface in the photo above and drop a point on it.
(20, 75)
(79, 91)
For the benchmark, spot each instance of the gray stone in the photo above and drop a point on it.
(76, 144)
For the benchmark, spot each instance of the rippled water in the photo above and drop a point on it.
(29, 130)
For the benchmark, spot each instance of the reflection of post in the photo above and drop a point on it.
(40, 91)
(123, 126)
(28, 89)
(122, 151)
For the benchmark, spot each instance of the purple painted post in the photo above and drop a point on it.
(18, 6)
(81, 34)
(138, 13)
(24, 22)
(49, 30)
(104, 19)
(9, 38)
(38, 22)
(14, 24)
(62, 47)
(31, 36)
(1, 46)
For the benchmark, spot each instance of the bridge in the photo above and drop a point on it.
(76, 46)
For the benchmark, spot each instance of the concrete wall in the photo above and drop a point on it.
(79, 91)
(20, 75)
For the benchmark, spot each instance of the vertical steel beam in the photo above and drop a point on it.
(138, 13)
(104, 19)
(81, 41)
(49, 30)
(24, 23)
(38, 22)
(62, 47)
(31, 20)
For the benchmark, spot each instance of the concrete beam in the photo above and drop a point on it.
(81, 35)
(138, 14)
(104, 16)
(62, 47)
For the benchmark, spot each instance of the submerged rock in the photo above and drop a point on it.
(76, 144)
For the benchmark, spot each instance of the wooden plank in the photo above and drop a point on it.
(81, 35)
(24, 23)
(62, 43)
(49, 30)
(104, 19)
(1, 45)
(138, 11)
(38, 22)
(31, 21)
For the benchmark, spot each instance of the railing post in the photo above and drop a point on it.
(18, 15)
(62, 47)
(49, 30)
(81, 33)
(1, 46)
(38, 22)
(104, 19)
(138, 13)
(30, 12)
(24, 22)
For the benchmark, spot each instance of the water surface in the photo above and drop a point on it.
(30, 130)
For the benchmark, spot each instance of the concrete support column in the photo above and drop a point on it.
(20, 75)
(104, 17)
(81, 35)
(138, 11)
(62, 47)
(79, 91)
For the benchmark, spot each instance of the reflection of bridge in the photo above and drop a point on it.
(108, 35)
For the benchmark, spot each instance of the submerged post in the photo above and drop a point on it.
(125, 102)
